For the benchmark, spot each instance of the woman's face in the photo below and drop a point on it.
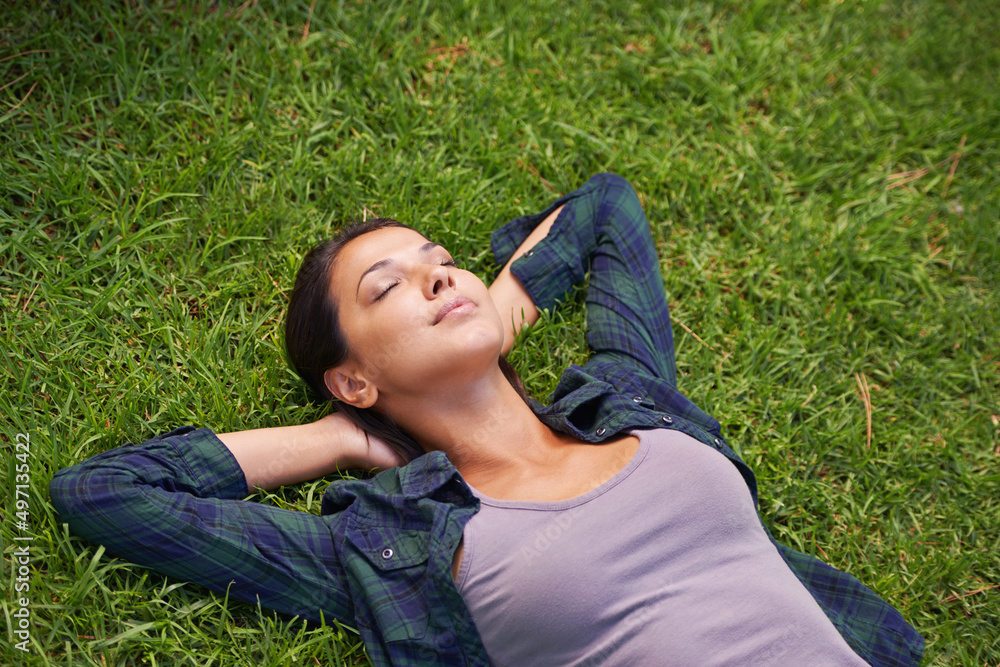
(413, 321)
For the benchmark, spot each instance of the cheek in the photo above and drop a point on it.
(470, 285)
(490, 311)
(474, 288)
(388, 341)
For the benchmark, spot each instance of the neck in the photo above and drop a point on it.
(483, 425)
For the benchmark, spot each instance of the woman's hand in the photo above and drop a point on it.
(362, 450)
(511, 299)
(284, 455)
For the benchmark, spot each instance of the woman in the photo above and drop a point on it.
(507, 537)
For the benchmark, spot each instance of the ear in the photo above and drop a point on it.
(350, 386)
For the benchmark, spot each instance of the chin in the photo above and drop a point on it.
(477, 356)
(488, 340)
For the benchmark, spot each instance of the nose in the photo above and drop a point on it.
(438, 278)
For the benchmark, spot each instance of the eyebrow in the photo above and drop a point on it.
(382, 263)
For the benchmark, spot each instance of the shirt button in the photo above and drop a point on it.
(718, 443)
(387, 554)
(529, 253)
(637, 399)
(667, 419)
(601, 431)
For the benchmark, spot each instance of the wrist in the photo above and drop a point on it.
(345, 441)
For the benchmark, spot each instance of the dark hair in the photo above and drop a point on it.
(315, 342)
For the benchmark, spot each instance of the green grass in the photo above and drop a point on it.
(163, 169)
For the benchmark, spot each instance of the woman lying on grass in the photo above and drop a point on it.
(497, 533)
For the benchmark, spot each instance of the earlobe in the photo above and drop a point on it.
(350, 388)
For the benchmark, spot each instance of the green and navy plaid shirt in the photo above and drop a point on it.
(379, 557)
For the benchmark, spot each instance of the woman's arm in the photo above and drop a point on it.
(512, 300)
(602, 230)
(283, 455)
(174, 504)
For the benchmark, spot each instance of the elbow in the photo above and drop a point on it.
(67, 495)
(84, 501)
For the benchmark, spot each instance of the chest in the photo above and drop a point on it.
(579, 469)
(662, 559)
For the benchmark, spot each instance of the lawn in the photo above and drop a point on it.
(821, 177)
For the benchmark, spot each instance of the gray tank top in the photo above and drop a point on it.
(665, 564)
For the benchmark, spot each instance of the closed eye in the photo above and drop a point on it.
(385, 291)
(382, 294)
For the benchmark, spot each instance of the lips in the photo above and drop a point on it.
(458, 304)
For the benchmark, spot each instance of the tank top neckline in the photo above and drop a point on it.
(557, 505)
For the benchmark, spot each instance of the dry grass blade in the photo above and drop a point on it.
(904, 177)
(242, 8)
(954, 597)
(15, 107)
(305, 30)
(27, 301)
(534, 172)
(453, 52)
(24, 53)
(11, 83)
(867, 399)
(954, 165)
(696, 336)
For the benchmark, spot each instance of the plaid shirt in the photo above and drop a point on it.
(380, 555)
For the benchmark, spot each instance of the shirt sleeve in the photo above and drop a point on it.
(603, 230)
(174, 504)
